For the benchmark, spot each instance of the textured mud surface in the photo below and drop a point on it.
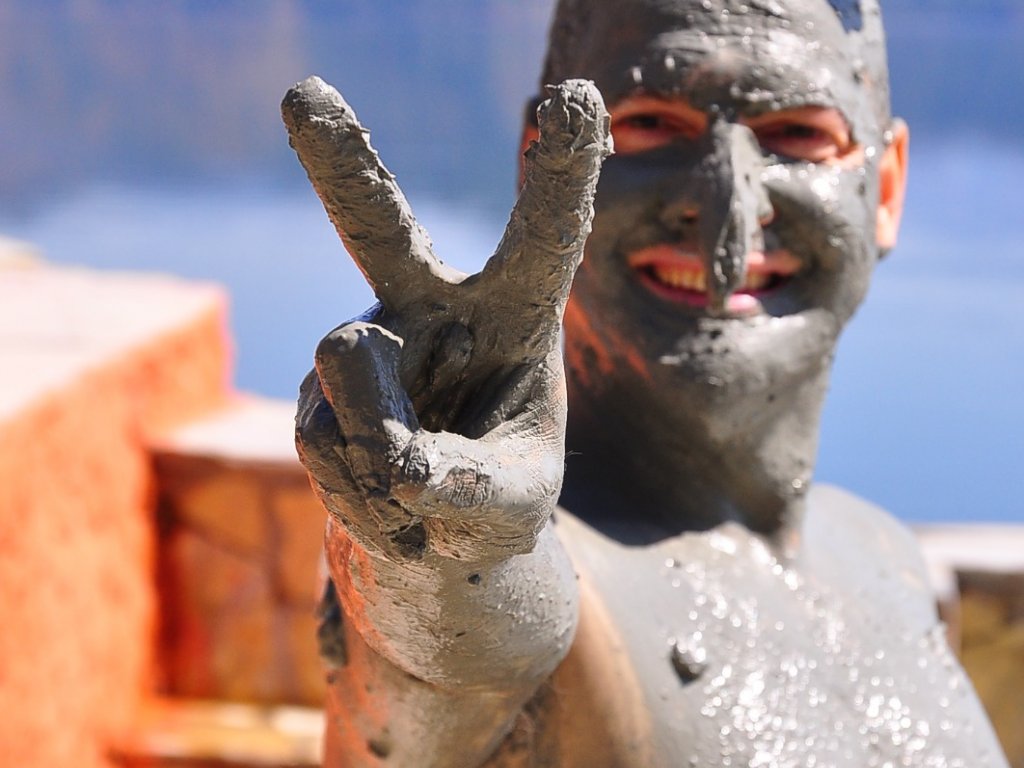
(731, 401)
(746, 659)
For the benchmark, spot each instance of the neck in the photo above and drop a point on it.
(642, 464)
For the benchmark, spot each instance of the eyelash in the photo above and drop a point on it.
(650, 122)
(644, 121)
(807, 142)
(801, 132)
(776, 139)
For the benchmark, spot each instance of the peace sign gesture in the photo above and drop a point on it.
(436, 421)
(432, 429)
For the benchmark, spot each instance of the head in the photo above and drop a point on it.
(758, 178)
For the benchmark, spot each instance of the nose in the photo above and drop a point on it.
(733, 206)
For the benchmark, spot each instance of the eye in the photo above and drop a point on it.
(812, 134)
(646, 123)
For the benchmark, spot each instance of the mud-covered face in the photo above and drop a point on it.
(736, 225)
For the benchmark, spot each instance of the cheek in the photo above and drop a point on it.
(826, 217)
(587, 355)
(603, 329)
(853, 219)
(628, 191)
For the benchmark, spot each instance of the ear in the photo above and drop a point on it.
(892, 185)
(530, 134)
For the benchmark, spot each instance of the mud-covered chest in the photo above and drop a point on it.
(742, 660)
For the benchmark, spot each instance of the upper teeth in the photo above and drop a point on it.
(696, 280)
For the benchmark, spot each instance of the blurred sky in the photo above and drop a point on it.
(147, 136)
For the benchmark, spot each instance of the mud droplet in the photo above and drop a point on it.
(689, 659)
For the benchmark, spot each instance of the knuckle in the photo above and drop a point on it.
(466, 487)
(317, 442)
(413, 467)
(315, 424)
(341, 341)
(361, 344)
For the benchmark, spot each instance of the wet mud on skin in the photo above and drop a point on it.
(748, 660)
(731, 402)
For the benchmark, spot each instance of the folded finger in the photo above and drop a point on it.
(358, 367)
(376, 524)
(491, 494)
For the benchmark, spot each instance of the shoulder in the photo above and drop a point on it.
(833, 511)
(870, 553)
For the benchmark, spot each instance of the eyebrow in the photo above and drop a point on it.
(656, 98)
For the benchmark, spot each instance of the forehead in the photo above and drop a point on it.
(751, 55)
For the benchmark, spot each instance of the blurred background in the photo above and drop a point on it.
(146, 136)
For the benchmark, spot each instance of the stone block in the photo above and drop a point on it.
(219, 619)
(224, 503)
(305, 670)
(236, 510)
(92, 363)
(299, 520)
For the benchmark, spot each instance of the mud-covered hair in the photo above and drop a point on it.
(861, 20)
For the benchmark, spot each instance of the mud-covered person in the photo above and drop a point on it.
(693, 601)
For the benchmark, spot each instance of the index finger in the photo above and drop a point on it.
(360, 195)
(537, 258)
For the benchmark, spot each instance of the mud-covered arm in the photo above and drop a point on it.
(432, 429)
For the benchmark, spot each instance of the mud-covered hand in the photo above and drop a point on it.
(433, 426)
(436, 420)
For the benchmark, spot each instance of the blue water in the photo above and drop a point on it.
(925, 416)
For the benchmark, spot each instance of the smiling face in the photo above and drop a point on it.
(737, 226)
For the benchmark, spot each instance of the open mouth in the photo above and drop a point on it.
(678, 274)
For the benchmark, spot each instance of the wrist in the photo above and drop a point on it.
(491, 625)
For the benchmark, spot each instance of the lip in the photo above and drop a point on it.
(671, 272)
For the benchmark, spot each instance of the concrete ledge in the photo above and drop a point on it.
(176, 733)
(166, 338)
(250, 430)
(988, 564)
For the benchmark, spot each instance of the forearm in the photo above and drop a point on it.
(379, 716)
(467, 625)
(441, 656)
